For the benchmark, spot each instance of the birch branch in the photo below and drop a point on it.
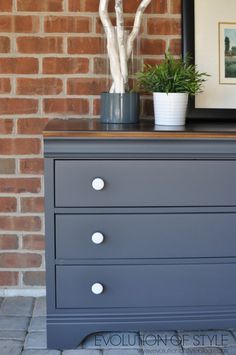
(112, 49)
(121, 40)
(136, 28)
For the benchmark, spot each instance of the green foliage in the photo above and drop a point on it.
(172, 75)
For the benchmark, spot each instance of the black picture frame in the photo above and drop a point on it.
(188, 46)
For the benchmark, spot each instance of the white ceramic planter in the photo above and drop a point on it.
(170, 109)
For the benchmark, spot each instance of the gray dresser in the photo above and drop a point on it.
(140, 228)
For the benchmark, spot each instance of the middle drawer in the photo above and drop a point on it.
(121, 236)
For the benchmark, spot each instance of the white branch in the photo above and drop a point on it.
(136, 28)
(120, 48)
(121, 40)
(111, 46)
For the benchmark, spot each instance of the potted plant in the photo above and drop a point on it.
(120, 104)
(171, 83)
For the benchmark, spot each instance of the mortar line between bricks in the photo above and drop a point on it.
(73, 35)
(168, 6)
(18, 205)
(24, 270)
(83, 13)
(24, 214)
(63, 55)
(21, 157)
(30, 195)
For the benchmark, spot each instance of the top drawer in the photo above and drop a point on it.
(132, 183)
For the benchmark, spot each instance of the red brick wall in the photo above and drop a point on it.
(50, 56)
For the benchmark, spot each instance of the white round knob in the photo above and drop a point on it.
(97, 238)
(98, 184)
(97, 288)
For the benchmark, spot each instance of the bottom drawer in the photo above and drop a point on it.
(146, 285)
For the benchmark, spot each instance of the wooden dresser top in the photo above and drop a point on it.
(93, 128)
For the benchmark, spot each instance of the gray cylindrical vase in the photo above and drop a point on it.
(120, 108)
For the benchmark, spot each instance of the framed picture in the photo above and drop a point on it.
(209, 36)
(227, 52)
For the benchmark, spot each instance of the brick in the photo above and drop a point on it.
(96, 107)
(148, 109)
(152, 61)
(8, 242)
(17, 306)
(175, 6)
(5, 44)
(230, 350)
(67, 106)
(17, 335)
(12, 346)
(34, 242)
(20, 260)
(42, 86)
(14, 324)
(19, 66)
(175, 46)
(69, 24)
(128, 21)
(65, 65)
(164, 26)
(27, 224)
(18, 106)
(8, 278)
(34, 278)
(41, 352)
(39, 323)
(20, 146)
(6, 23)
(42, 5)
(8, 204)
(20, 185)
(6, 127)
(19, 24)
(26, 24)
(6, 5)
(88, 45)
(153, 46)
(36, 340)
(32, 204)
(7, 166)
(32, 166)
(5, 86)
(40, 44)
(86, 86)
(83, 6)
(101, 66)
(31, 125)
(39, 307)
(156, 6)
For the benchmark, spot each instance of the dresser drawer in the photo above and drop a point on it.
(146, 285)
(145, 236)
(145, 183)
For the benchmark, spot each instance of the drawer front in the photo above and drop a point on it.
(146, 236)
(145, 183)
(152, 285)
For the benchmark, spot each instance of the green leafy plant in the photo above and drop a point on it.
(172, 76)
